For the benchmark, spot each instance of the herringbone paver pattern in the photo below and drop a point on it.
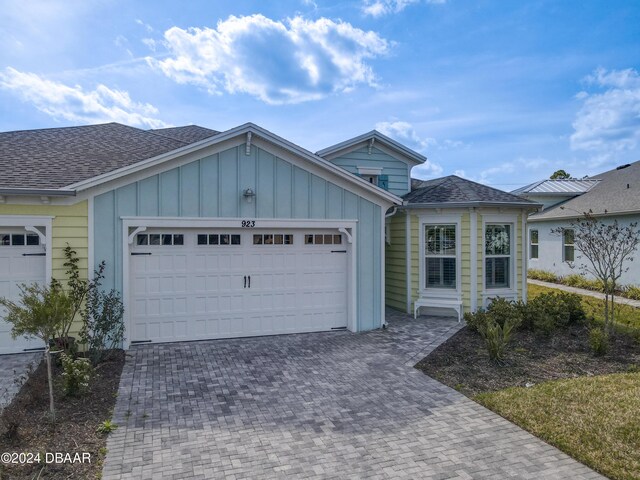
(326, 405)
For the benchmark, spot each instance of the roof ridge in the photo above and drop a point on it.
(70, 127)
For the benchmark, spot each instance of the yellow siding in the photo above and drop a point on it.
(396, 264)
(70, 225)
(415, 258)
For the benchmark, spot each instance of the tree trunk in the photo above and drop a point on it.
(606, 309)
(47, 355)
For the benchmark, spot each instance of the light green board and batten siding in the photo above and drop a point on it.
(212, 187)
(396, 170)
(396, 270)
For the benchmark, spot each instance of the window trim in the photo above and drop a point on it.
(531, 244)
(512, 290)
(449, 219)
(565, 245)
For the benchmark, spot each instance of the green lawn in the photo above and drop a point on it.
(593, 419)
(626, 315)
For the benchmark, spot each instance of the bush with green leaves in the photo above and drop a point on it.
(76, 375)
(550, 311)
(496, 336)
(599, 341)
(103, 325)
(496, 325)
(580, 281)
(632, 292)
(542, 275)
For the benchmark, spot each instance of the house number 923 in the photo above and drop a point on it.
(248, 223)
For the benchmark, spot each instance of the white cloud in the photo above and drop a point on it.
(404, 133)
(75, 104)
(150, 43)
(378, 8)
(146, 26)
(278, 62)
(609, 120)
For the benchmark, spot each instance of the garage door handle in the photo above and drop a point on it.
(34, 254)
(140, 253)
(338, 251)
(245, 281)
(249, 281)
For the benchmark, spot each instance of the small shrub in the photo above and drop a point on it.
(103, 326)
(598, 341)
(501, 310)
(549, 311)
(542, 275)
(475, 319)
(579, 281)
(76, 375)
(106, 427)
(632, 292)
(497, 337)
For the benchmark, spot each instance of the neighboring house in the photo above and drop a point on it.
(212, 234)
(456, 244)
(612, 195)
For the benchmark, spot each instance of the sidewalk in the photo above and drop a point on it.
(582, 291)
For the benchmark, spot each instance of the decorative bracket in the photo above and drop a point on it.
(42, 236)
(347, 233)
(371, 142)
(134, 233)
(248, 148)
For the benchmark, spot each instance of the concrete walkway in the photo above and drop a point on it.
(582, 291)
(323, 405)
(13, 371)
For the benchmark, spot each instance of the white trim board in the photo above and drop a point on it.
(512, 291)
(237, 136)
(177, 222)
(24, 221)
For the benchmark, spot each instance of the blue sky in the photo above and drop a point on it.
(502, 92)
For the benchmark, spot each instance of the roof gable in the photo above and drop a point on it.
(372, 138)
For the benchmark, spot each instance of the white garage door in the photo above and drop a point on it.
(22, 260)
(196, 284)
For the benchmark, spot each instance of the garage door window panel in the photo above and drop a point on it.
(322, 239)
(19, 240)
(273, 239)
(218, 239)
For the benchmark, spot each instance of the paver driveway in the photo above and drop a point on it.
(327, 405)
(13, 371)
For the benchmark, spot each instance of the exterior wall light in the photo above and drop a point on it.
(249, 194)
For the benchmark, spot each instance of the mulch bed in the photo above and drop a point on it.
(463, 363)
(74, 430)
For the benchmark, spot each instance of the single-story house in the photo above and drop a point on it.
(612, 195)
(212, 234)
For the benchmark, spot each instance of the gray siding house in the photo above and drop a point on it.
(611, 195)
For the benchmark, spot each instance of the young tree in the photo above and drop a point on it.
(41, 312)
(608, 248)
(560, 175)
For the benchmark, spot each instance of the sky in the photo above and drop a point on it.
(503, 92)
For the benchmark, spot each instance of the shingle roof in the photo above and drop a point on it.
(187, 134)
(456, 190)
(552, 187)
(618, 191)
(56, 157)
